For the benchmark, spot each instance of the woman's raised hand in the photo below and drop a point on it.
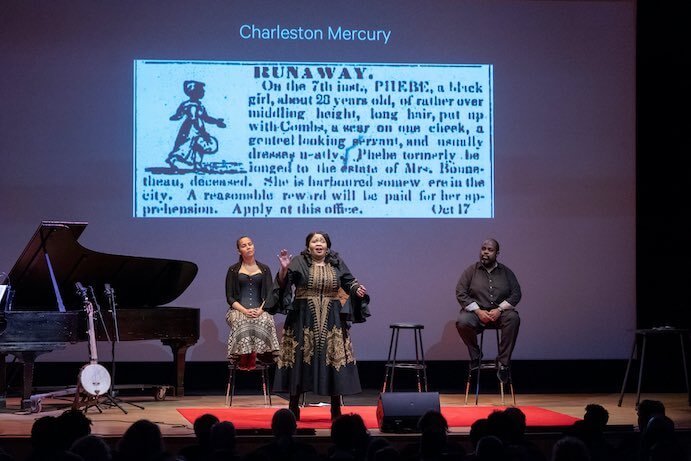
(284, 258)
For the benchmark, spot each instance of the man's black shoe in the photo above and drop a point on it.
(503, 374)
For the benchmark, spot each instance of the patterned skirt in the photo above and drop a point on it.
(255, 336)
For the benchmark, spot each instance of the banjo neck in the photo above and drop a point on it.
(93, 351)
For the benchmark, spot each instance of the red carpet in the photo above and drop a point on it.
(320, 417)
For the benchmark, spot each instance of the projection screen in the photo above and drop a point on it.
(409, 131)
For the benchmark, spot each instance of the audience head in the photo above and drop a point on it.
(283, 423)
(646, 409)
(478, 430)
(91, 448)
(72, 425)
(432, 418)
(570, 449)
(4, 456)
(222, 437)
(490, 448)
(202, 427)
(660, 442)
(349, 431)
(432, 442)
(374, 446)
(659, 428)
(46, 440)
(500, 424)
(596, 416)
(44, 433)
(386, 454)
(141, 441)
(516, 424)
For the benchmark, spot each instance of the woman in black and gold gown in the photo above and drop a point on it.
(316, 353)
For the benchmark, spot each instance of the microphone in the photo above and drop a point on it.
(81, 291)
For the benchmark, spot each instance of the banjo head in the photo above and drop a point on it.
(95, 379)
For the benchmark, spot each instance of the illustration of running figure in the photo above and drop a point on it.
(193, 141)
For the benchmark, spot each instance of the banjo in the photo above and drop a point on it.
(93, 378)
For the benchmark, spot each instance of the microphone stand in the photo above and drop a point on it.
(97, 310)
(110, 296)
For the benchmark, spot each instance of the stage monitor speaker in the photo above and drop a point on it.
(400, 411)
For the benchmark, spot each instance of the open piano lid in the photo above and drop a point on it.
(137, 281)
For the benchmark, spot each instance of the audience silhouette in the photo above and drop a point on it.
(45, 442)
(377, 445)
(516, 443)
(201, 449)
(631, 448)
(499, 437)
(570, 449)
(284, 446)
(222, 442)
(72, 425)
(386, 454)
(490, 448)
(433, 442)
(142, 441)
(350, 438)
(660, 441)
(4, 456)
(646, 409)
(91, 448)
(478, 430)
(591, 431)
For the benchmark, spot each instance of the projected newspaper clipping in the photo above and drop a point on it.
(329, 140)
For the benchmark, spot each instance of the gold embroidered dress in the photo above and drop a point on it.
(316, 353)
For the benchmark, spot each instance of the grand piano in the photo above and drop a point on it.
(44, 311)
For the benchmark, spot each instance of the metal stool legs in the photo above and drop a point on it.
(642, 335)
(263, 368)
(481, 365)
(392, 362)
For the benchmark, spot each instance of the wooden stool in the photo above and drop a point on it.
(419, 365)
(481, 365)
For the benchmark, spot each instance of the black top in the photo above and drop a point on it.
(233, 283)
(488, 289)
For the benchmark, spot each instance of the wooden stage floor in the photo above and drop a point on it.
(15, 424)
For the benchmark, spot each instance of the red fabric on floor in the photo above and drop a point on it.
(320, 417)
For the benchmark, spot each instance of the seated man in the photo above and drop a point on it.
(488, 293)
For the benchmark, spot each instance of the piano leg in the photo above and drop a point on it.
(26, 355)
(27, 358)
(179, 349)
